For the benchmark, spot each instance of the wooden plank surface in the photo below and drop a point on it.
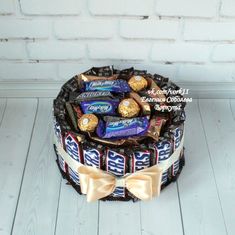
(202, 214)
(219, 126)
(15, 135)
(37, 208)
(162, 215)
(119, 218)
(3, 103)
(75, 215)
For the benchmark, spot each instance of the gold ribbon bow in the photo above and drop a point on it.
(96, 184)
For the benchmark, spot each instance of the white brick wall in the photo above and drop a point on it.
(185, 40)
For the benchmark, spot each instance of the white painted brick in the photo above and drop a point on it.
(51, 7)
(12, 50)
(24, 28)
(180, 52)
(68, 70)
(206, 73)
(73, 29)
(121, 7)
(7, 7)
(150, 29)
(188, 8)
(208, 31)
(27, 71)
(228, 8)
(118, 51)
(56, 50)
(224, 53)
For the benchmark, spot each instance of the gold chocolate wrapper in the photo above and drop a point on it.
(138, 83)
(146, 110)
(156, 88)
(128, 108)
(155, 126)
(88, 78)
(88, 122)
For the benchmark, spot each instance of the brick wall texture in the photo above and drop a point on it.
(186, 40)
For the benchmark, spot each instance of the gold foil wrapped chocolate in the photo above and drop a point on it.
(145, 107)
(138, 83)
(128, 108)
(88, 122)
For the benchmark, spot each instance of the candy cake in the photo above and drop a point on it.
(119, 133)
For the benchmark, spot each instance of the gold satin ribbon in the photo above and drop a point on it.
(96, 184)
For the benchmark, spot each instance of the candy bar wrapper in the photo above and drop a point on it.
(89, 78)
(106, 141)
(125, 74)
(179, 117)
(145, 107)
(100, 106)
(93, 155)
(60, 140)
(116, 163)
(72, 115)
(160, 80)
(118, 86)
(59, 109)
(162, 151)
(169, 86)
(140, 158)
(105, 71)
(90, 95)
(158, 91)
(77, 110)
(71, 85)
(156, 124)
(177, 133)
(74, 149)
(123, 128)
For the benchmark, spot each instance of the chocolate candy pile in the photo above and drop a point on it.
(120, 122)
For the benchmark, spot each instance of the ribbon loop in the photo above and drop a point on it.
(97, 184)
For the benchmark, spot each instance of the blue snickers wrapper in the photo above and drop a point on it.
(118, 86)
(73, 148)
(140, 159)
(123, 128)
(93, 155)
(99, 106)
(116, 164)
(163, 150)
(177, 135)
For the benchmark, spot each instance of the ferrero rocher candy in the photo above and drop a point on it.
(128, 108)
(138, 83)
(88, 122)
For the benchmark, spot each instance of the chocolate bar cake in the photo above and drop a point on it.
(119, 133)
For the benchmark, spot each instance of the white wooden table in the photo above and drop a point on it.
(35, 200)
